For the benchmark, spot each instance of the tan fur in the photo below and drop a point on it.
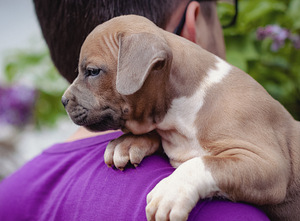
(247, 141)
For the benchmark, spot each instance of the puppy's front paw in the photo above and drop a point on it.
(171, 199)
(174, 197)
(130, 148)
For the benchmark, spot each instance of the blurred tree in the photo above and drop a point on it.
(273, 61)
(35, 69)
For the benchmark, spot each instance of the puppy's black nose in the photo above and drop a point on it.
(64, 101)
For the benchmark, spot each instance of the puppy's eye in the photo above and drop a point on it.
(92, 72)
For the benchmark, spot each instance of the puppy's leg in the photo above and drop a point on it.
(174, 197)
(131, 148)
(257, 179)
(237, 173)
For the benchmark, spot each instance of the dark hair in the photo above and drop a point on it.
(66, 23)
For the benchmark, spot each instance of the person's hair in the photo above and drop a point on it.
(66, 23)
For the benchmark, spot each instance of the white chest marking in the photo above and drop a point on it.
(183, 112)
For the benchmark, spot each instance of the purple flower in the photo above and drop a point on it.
(278, 35)
(295, 40)
(277, 44)
(261, 34)
(16, 104)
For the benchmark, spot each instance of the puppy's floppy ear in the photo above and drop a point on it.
(139, 54)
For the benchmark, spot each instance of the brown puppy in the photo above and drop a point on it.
(223, 131)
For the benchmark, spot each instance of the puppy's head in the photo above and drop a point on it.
(115, 61)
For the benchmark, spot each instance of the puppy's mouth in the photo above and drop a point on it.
(101, 120)
(105, 123)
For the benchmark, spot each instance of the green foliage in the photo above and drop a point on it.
(36, 69)
(278, 72)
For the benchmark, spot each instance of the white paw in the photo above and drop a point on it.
(171, 199)
(174, 197)
(130, 148)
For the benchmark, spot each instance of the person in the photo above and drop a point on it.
(70, 181)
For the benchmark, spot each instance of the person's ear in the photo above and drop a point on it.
(189, 28)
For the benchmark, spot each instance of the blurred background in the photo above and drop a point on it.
(264, 42)
(31, 115)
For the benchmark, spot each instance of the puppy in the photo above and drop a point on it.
(221, 130)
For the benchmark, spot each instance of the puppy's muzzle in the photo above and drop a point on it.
(94, 119)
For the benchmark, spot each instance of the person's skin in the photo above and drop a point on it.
(196, 29)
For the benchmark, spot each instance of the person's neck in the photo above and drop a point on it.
(82, 133)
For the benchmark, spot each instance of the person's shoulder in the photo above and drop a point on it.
(51, 172)
(82, 144)
(225, 210)
(58, 157)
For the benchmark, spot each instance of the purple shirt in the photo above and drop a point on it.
(70, 181)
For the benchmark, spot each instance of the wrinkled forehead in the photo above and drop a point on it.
(99, 47)
(109, 32)
(103, 41)
(101, 36)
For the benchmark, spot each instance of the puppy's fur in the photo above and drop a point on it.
(225, 134)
